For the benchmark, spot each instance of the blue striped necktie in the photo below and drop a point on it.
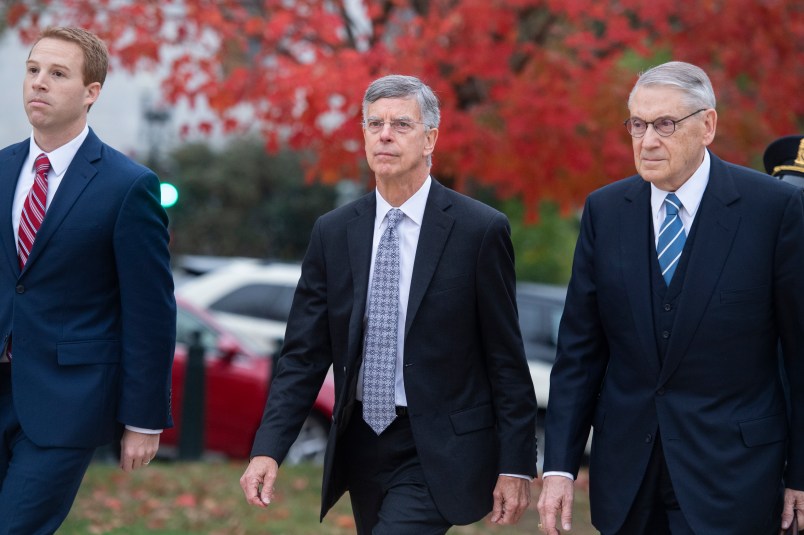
(671, 238)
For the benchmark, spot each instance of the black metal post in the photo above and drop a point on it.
(191, 440)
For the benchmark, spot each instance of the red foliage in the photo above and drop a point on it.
(533, 92)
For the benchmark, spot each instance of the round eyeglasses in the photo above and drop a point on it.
(400, 126)
(664, 126)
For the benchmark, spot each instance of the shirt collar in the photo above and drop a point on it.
(60, 158)
(413, 208)
(690, 193)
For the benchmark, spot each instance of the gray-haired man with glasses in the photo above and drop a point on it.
(686, 277)
(409, 295)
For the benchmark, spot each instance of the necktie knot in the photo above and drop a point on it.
(672, 205)
(42, 165)
(395, 215)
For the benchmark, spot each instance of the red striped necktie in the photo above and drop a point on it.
(33, 211)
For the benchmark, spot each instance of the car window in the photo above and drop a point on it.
(265, 301)
(555, 320)
(539, 320)
(530, 321)
(187, 324)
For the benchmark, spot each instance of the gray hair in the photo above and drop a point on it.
(399, 86)
(691, 80)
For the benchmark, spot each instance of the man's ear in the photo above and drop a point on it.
(710, 126)
(430, 141)
(92, 93)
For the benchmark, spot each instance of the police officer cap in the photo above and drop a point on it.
(785, 156)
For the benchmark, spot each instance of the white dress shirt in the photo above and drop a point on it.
(408, 229)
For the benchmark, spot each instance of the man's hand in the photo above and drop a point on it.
(137, 449)
(793, 500)
(557, 495)
(261, 472)
(511, 499)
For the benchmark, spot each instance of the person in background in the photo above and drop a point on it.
(87, 314)
(686, 277)
(784, 159)
(409, 295)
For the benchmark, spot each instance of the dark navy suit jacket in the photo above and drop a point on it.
(717, 400)
(471, 401)
(92, 315)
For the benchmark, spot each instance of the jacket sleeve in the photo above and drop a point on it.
(148, 307)
(512, 388)
(305, 359)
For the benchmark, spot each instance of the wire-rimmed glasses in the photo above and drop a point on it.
(400, 126)
(664, 126)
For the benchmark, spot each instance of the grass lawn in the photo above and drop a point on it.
(175, 498)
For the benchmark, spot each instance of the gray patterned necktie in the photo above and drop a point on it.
(379, 406)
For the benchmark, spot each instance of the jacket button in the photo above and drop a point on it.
(660, 391)
(665, 334)
(668, 307)
(648, 438)
(20, 289)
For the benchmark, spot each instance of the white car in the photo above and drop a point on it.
(251, 298)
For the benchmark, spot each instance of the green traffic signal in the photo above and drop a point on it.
(169, 193)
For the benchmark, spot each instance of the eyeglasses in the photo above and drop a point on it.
(400, 126)
(664, 126)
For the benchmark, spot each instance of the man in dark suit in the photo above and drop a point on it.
(87, 313)
(685, 278)
(446, 432)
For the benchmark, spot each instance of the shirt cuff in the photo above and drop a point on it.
(144, 431)
(562, 474)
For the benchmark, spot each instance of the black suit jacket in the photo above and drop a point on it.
(470, 397)
(717, 401)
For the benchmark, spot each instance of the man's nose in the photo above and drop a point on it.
(38, 81)
(651, 137)
(386, 131)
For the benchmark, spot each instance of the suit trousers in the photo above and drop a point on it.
(387, 487)
(37, 485)
(655, 510)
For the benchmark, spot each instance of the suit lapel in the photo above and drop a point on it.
(436, 227)
(635, 259)
(359, 235)
(10, 169)
(716, 225)
(80, 172)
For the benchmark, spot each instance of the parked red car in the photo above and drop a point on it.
(237, 383)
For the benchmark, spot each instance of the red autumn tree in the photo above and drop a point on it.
(533, 92)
